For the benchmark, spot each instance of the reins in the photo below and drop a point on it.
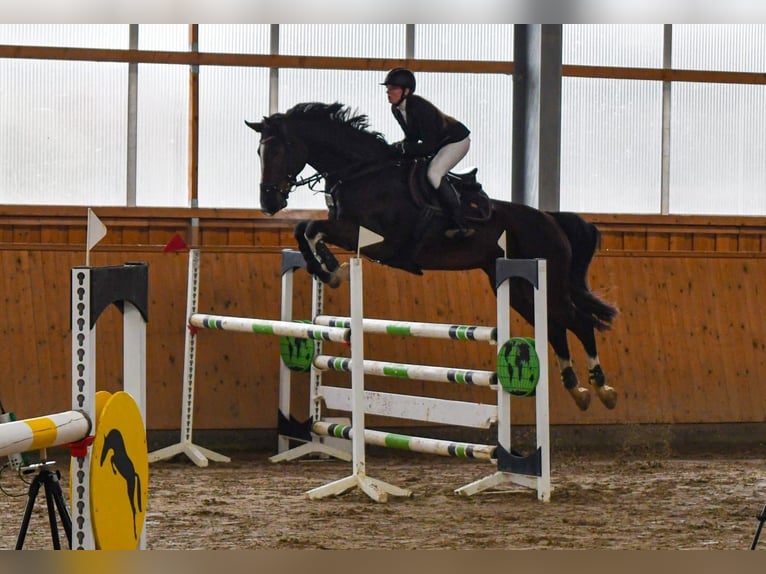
(340, 177)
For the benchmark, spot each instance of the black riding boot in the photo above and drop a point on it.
(451, 202)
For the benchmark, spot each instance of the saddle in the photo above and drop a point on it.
(474, 202)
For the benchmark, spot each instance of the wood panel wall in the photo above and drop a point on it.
(688, 346)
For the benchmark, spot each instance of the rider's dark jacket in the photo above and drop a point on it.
(427, 129)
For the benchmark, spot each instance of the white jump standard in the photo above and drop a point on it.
(531, 471)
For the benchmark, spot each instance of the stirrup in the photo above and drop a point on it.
(459, 233)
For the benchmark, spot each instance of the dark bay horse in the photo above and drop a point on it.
(368, 185)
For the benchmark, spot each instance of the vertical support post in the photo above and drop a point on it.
(134, 356)
(285, 390)
(83, 399)
(532, 471)
(537, 115)
(315, 375)
(132, 162)
(193, 117)
(196, 453)
(542, 417)
(190, 347)
(503, 334)
(292, 260)
(372, 487)
(357, 367)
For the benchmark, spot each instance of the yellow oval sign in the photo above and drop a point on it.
(119, 475)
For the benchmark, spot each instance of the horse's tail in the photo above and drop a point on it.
(584, 239)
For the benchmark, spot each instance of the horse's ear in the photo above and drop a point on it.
(254, 125)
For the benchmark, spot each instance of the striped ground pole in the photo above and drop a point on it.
(411, 443)
(415, 329)
(269, 327)
(414, 372)
(43, 432)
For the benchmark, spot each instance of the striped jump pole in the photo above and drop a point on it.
(269, 327)
(43, 432)
(415, 329)
(411, 443)
(405, 371)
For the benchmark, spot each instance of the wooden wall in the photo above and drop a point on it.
(688, 347)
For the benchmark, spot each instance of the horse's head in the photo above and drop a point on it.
(282, 159)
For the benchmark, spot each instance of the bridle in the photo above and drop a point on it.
(285, 188)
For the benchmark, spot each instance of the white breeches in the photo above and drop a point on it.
(445, 159)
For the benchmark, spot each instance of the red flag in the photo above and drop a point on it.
(176, 243)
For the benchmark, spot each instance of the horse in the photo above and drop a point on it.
(368, 184)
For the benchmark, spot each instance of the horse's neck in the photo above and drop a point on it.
(338, 155)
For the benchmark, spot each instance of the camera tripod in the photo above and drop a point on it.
(50, 481)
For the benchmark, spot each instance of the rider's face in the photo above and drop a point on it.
(394, 94)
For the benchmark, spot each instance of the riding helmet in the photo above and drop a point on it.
(401, 77)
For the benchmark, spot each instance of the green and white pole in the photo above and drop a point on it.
(415, 329)
(269, 327)
(411, 443)
(406, 371)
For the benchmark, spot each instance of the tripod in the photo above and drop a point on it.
(761, 519)
(54, 498)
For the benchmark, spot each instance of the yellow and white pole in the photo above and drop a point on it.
(43, 432)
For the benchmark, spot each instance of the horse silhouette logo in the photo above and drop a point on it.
(122, 464)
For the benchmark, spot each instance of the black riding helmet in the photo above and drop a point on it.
(401, 77)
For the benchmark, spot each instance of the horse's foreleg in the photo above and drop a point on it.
(320, 261)
(306, 246)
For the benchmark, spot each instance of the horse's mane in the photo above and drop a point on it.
(354, 125)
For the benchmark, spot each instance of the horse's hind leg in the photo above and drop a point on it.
(558, 338)
(583, 330)
(522, 300)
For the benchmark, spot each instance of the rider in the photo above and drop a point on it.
(427, 131)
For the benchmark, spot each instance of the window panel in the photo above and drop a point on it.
(64, 131)
(611, 146)
(229, 168)
(464, 42)
(717, 149)
(114, 36)
(623, 45)
(721, 47)
(162, 146)
(343, 40)
(234, 38)
(167, 37)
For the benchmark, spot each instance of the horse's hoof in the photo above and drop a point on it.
(341, 274)
(581, 397)
(607, 395)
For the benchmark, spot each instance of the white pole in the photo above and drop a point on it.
(541, 392)
(286, 314)
(357, 367)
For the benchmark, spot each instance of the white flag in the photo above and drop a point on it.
(96, 230)
(367, 237)
(503, 244)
